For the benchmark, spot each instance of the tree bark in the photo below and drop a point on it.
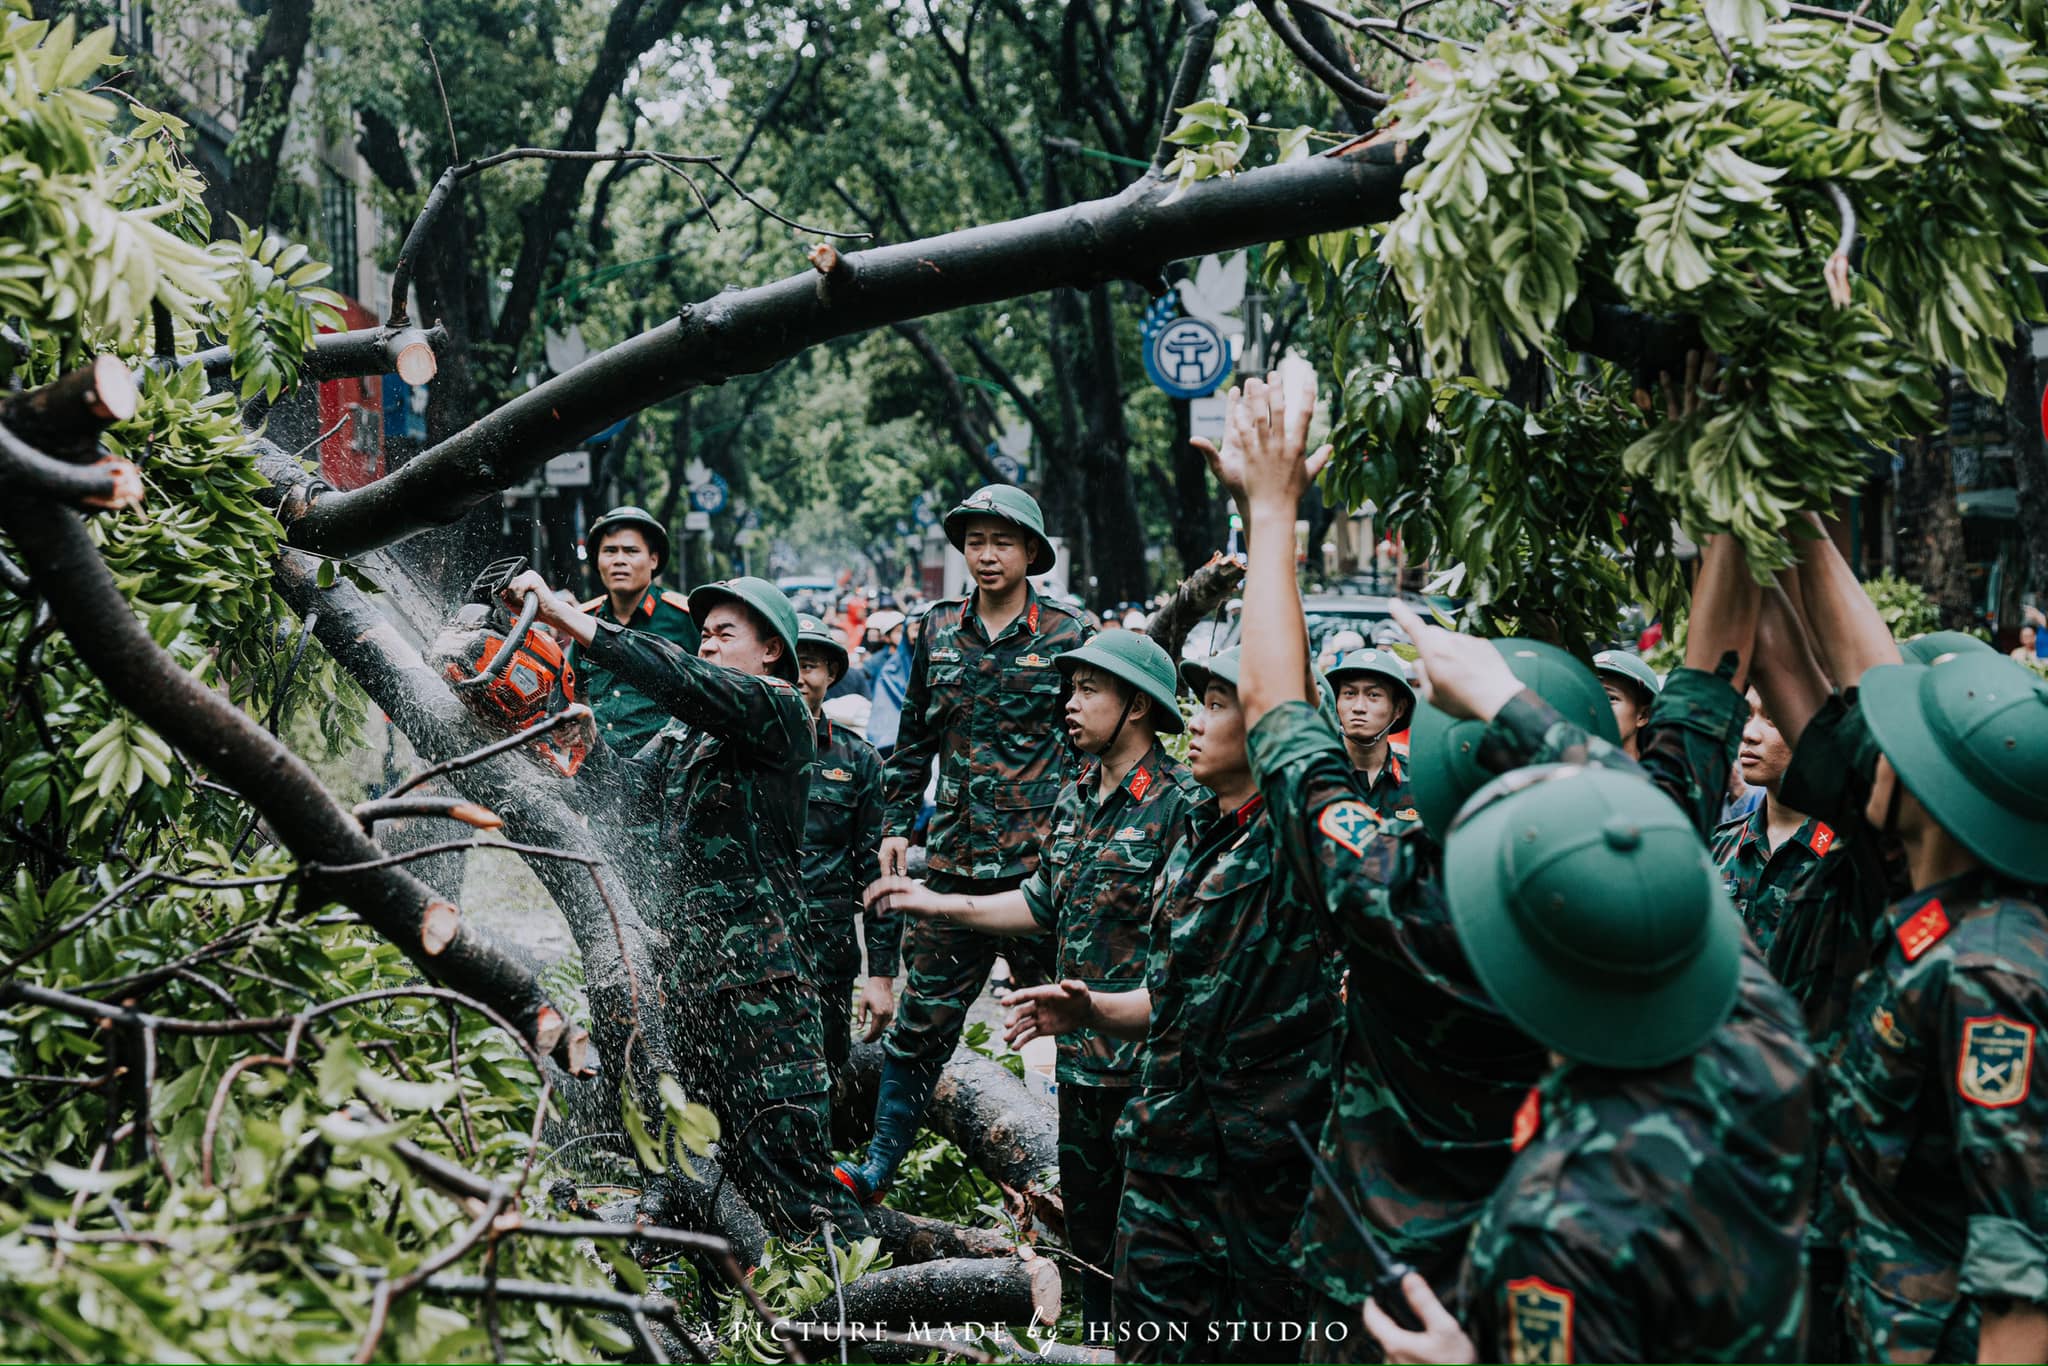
(984, 1111)
(1930, 540)
(1200, 594)
(1022, 1290)
(103, 628)
(265, 118)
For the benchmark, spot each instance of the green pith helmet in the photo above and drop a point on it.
(765, 600)
(1382, 664)
(656, 533)
(1006, 503)
(1443, 754)
(1932, 646)
(1968, 736)
(812, 630)
(1592, 915)
(1622, 664)
(1138, 661)
(1216, 668)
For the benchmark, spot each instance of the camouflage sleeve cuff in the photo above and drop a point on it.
(1037, 891)
(1703, 701)
(1520, 734)
(2005, 1260)
(1833, 765)
(1287, 734)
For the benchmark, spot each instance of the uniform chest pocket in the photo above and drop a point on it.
(945, 676)
(1043, 681)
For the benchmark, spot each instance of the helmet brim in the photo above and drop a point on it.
(1602, 1026)
(1042, 553)
(1166, 718)
(704, 597)
(2012, 843)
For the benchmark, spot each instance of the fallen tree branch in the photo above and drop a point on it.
(1131, 235)
(1023, 1290)
(338, 355)
(217, 736)
(984, 1111)
(1199, 594)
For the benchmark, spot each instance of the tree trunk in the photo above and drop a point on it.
(266, 108)
(1931, 530)
(1199, 526)
(1023, 1290)
(2030, 469)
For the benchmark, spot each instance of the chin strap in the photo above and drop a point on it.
(1130, 700)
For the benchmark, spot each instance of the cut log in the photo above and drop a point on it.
(909, 1239)
(984, 1111)
(1021, 1290)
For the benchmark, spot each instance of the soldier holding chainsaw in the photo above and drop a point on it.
(727, 780)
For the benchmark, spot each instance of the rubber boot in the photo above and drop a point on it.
(899, 1113)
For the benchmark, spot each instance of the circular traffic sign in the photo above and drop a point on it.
(708, 497)
(1187, 358)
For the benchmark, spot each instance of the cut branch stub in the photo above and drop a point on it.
(66, 416)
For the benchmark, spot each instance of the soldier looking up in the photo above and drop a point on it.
(631, 548)
(1638, 1220)
(1092, 892)
(842, 831)
(1240, 1020)
(727, 780)
(984, 704)
(1632, 687)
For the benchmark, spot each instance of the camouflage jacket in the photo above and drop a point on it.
(1093, 889)
(1943, 1136)
(842, 831)
(628, 718)
(1657, 1215)
(727, 780)
(1433, 1072)
(1760, 878)
(1388, 793)
(1245, 1014)
(989, 713)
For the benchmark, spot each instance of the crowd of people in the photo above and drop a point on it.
(1441, 957)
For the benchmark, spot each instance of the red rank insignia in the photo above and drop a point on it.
(1140, 781)
(1528, 1120)
(1031, 617)
(1923, 930)
(1823, 839)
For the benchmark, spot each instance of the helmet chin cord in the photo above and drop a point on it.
(1130, 701)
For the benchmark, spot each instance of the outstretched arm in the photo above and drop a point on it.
(1788, 677)
(1065, 1007)
(1005, 913)
(1851, 637)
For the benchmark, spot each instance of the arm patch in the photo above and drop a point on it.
(1350, 824)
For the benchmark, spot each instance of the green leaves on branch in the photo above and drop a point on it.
(1596, 150)
(1212, 138)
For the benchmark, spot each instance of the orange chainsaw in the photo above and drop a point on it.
(509, 674)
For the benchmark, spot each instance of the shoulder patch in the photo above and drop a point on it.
(1996, 1061)
(1923, 930)
(1528, 1120)
(592, 605)
(676, 600)
(1539, 1321)
(1349, 823)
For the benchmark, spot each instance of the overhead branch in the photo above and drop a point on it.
(1199, 595)
(219, 737)
(971, 441)
(1330, 71)
(1130, 235)
(1187, 79)
(1001, 374)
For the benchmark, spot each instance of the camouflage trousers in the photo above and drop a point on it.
(1091, 1187)
(757, 1053)
(949, 966)
(1202, 1272)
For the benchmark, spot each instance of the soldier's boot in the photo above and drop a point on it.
(905, 1091)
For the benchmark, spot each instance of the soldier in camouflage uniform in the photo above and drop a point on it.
(1763, 856)
(1240, 1020)
(727, 780)
(1641, 1219)
(842, 832)
(1375, 700)
(1632, 688)
(1092, 892)
(984, 704)
(1432, 1072)
(1937, 1131)
(630, 548)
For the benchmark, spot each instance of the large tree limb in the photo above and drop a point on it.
(1024, 1289)
(339, 355)
(984, 1111)
(1199, 594)
(1131, 235)
(142, 677)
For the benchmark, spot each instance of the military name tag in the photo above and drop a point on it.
(1349, 823)
(1998, 1055)
(1539, 1321)
(945, 655)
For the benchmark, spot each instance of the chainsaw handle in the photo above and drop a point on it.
(502, 661)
